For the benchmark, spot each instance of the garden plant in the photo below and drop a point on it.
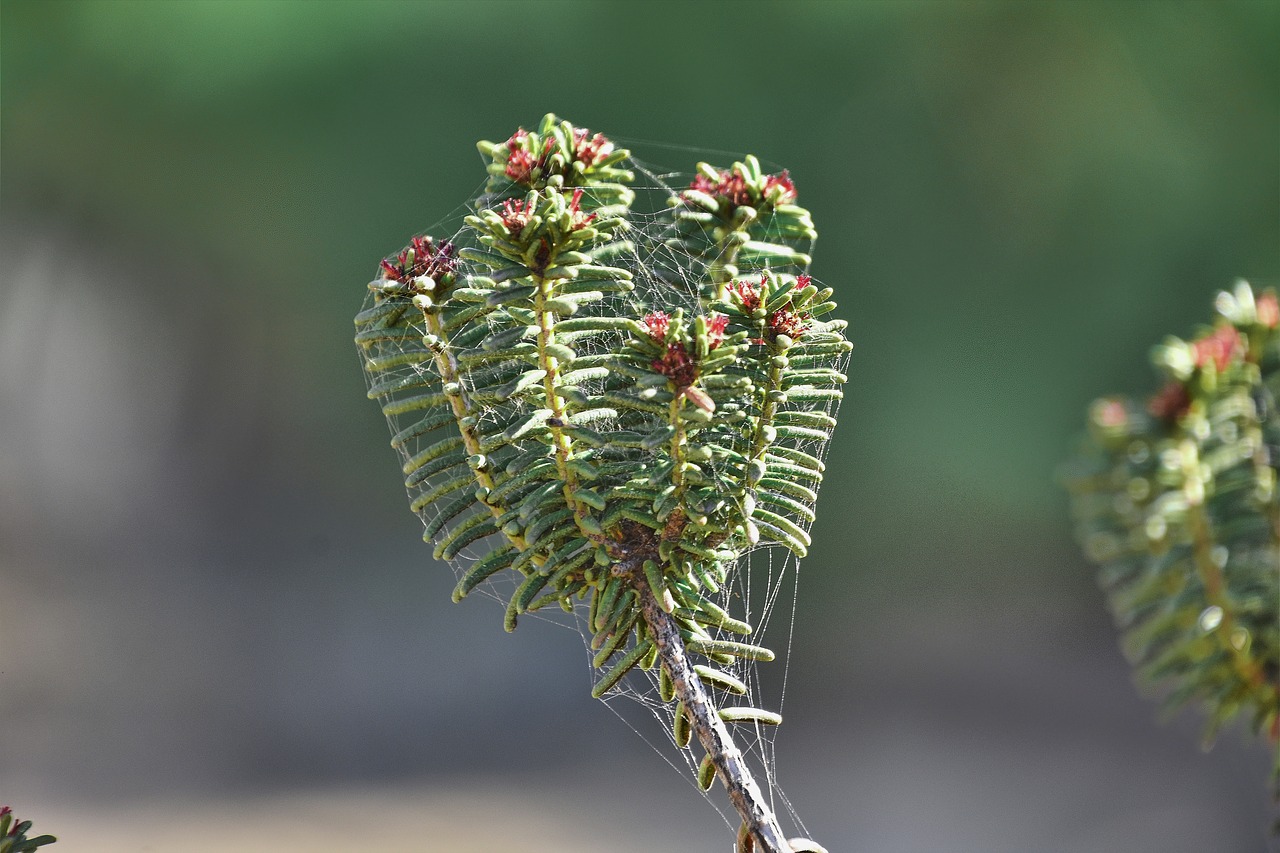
(612, 392)
(1175, 497)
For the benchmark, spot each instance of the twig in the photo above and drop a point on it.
(730, 765)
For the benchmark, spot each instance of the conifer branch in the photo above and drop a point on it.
(613, 443)
(1176, 498)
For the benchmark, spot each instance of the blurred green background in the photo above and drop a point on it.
(213, 604)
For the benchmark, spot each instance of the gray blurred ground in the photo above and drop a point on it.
(215, 613)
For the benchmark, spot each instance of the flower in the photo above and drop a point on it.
(1219, 346)
(579, 219)
(516, 215)
(716, 324)
(732, 189)
(1170, 402)
(421, 257)
(779, 189)
(784, 321)
(523, 158)
(521, 161)
(656, 324)
(748, 294)
(677, 365)
(1109, 413)
(590, 151)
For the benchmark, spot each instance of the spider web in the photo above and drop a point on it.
(761, 588)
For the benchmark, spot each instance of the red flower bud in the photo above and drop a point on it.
(1109, 414)
(421, 257)
(1268, 310)
(677, 365)
(778, 189)
(590, 151)
(1219, 346)
(748, 294)
(716, 324)
(1170, 402)
(656, 324)
(516, 215)
(730, 186)
(522, 159)
(787, 322)
(580, 219)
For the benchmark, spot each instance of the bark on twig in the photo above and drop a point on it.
(712, 733)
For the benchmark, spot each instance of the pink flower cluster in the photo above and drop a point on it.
(677, 364)
(716, 324)
(732, 187)
(516, 214)
(522, 160)
(1220, 346)
(590, 150)
(1268, 310)
(1170, 402)
(656, 324)
(784, 320)
(421, 257)
(580, 219)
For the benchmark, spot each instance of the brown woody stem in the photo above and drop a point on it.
(712, 733)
